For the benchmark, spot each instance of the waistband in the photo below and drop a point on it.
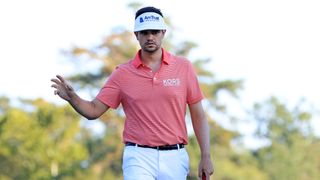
(161, 148)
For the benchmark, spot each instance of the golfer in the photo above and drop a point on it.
(154, 89)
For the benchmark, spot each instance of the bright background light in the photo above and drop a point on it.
(273, 45)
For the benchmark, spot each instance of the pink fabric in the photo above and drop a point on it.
(154, 102)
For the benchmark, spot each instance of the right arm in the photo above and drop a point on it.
(89, 109)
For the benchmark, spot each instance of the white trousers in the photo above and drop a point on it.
(152, 164)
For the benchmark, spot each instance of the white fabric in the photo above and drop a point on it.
(151, 164)
(149, 20)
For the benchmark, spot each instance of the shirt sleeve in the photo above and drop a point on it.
(194, 93)
(110, 93)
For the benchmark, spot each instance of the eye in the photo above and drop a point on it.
(155, 32)
(144, 32)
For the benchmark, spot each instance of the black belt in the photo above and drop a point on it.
(166, 147)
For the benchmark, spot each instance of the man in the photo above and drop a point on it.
(154, 89)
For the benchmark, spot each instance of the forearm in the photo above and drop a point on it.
(83, 107)
(202, 132)
(201, 128)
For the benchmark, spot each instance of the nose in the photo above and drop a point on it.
(149, 35)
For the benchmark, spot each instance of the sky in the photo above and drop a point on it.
(274, 45)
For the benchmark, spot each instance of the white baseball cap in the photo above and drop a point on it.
(149, 20)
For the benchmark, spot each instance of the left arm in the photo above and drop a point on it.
(201, 129)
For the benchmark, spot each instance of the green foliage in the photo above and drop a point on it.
(229, 164)
(40, 144)
(4, 104)
(292, 153)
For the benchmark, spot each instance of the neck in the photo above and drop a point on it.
(151, 57)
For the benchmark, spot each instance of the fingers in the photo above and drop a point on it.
(60, 82)
(57, 84)
(207, 175)
(204, 174)
(200, 173)
(60, 78)
(54, 86)
(56, 81)
(212, 172)
(61, 87)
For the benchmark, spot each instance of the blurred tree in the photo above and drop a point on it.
(293, 150)
(4, 104)
(229, 163)
(39, 142)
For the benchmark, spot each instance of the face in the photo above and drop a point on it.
(150, 40)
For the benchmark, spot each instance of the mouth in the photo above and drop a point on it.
(150, 43)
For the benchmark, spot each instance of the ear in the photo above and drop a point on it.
(164, 31)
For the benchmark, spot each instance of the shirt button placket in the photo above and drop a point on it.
(155, 79)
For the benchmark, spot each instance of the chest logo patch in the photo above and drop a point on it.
(171, 82)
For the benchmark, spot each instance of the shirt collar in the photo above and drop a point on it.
(137, 59)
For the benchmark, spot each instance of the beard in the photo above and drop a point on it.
(150, 47)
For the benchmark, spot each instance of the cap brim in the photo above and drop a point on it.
(149, 28)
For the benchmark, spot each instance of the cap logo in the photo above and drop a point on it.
(149, 20)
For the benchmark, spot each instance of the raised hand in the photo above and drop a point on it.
(62, 88)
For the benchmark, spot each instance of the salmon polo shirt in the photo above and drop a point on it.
(154, 102)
